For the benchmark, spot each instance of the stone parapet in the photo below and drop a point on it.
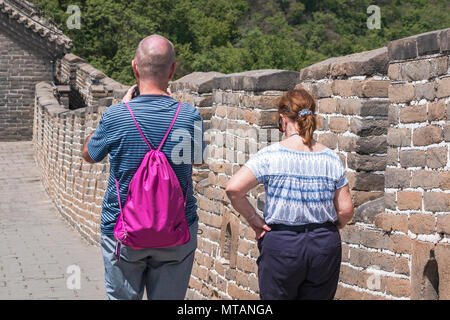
(89, 86)
(75, 186)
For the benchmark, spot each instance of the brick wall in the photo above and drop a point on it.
(21, 67)
(28, 44)
(352, 95)
(385, 116)
(417, 175)
(76, 187)
(405, 254)
(88, 86)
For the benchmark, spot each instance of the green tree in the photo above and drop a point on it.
(238, 35)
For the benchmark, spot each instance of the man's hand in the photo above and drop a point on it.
(129, 95)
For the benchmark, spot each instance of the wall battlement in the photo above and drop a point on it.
(385, 112)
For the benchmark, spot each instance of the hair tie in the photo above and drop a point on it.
(304, 112)
(289, 108)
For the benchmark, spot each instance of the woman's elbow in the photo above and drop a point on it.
(346, 210)
(232, 191)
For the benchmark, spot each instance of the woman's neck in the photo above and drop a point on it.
(290, 131)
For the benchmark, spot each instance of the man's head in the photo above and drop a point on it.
(154, 60)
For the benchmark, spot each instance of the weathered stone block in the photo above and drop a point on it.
(328, 105)
(443, 87)
(444, 180)
(349, 106)
(338, 124)
(366, 162)
(437, 157)
(322, 123)
(439, 66)
(375, 239)
(398, 287)
(368, 181)
(436, 201)
(425, 91)
(368, 127)
(328, 139)
(392, 222)
(372, 144)
(346, 143)
(348, 275)
(324, 89)
(367, 211)
(401, 243)
(446, 129)
(442, 253)
(443, 224)
(412, 158)
(401, 93)
(359, 257)
(363, 63)
(409, 200)
(351, 234)
(416, 70)
(425, 178)
(374, 108)
(437, 111)
(427, 43)
(421, 223)
(421, 252)
(375, 88)
(444, 38)
(397, 178)
(424, 136)
(392, 157)
(384, 261)
(402, 266)
(347, 88)
(258, 80)
(199, 82)
(394, 71)
(263, 102)
(402, 49)
(316, 71)
(393, 114)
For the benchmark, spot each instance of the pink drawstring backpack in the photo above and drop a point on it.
(154, 213)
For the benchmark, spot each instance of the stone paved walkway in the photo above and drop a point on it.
(37, 246)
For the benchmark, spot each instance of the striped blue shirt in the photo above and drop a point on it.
(118, 136)
(299, 185)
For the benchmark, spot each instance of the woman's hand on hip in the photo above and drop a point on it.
(259, 226)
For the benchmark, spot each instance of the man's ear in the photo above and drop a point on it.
(172, 70)
(135, 70)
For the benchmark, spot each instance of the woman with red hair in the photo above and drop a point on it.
(307, 201)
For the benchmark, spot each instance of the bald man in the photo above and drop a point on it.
(163, 272)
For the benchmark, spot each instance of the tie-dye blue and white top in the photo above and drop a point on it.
(299, 185)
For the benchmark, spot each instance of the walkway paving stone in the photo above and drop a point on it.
(37, 246)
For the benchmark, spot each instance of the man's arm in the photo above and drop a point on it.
(84, 150)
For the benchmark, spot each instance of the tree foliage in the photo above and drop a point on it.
(237, 35)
